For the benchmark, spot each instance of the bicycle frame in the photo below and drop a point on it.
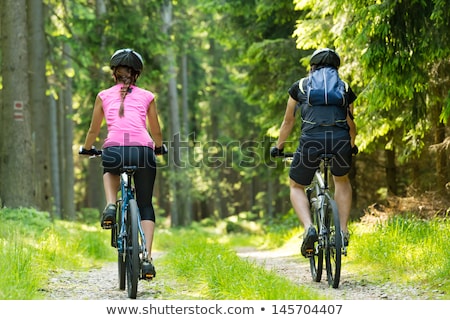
(322, 192)
(325, 217)
(127, 235)
(127, 193)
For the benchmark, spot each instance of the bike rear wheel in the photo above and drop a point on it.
(132, 259)
(316, 260)
(333, 250)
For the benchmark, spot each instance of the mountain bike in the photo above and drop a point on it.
(325, 216)
(127, 234)
(128, 237)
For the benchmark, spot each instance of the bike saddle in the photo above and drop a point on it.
(326, 156)
(128, 168)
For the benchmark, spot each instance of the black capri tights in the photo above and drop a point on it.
(113, 158)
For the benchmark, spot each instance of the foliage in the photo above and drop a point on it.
(240, 58)
(388, 49)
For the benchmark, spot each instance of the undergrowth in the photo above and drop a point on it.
(404, 249)
(33, 248)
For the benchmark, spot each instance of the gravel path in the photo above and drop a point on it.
(95, 284)
(102, 283)
(290, 264)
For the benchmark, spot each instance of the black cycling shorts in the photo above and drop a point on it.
(312, 145)
(113, 158)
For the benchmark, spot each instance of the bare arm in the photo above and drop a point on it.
(153, 122)
(288, 123)
(351, 124)
(96, 123)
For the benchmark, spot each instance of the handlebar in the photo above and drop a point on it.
(277, 153)
(287, 155)
(324, 156)
(92, 153)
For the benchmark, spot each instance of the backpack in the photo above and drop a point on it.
(324, 87)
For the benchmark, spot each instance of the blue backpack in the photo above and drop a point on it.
(324, 87)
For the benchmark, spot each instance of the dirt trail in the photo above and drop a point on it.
(288, 263)
(95, 284)
(100, 284)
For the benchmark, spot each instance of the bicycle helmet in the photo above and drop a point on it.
(325, 57)
(128, 58)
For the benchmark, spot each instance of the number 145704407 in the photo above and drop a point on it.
(307, 309)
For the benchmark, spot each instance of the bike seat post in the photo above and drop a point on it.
(129, 170)
(129, 176)
(326, 165)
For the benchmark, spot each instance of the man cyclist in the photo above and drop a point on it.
(328, 129)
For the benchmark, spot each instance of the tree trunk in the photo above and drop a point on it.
(441, 158)
(94, 194)
(439, 91)
(214, 128)
(54, 156)
(16, 154)
(39, 106)
(187, 208)
(391, 171)
(67, 142)
(174, 156)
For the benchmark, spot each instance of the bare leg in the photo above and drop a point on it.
(111, 184)
(300, 203)
(149, 229)
(343, 197)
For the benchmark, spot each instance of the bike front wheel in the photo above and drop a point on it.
(120, 251)
(333, 246)
(316, 260)
(132, 259)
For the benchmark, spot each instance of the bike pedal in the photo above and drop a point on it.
(148, 277)
(344, 251)
(107, 225)
(148, 271)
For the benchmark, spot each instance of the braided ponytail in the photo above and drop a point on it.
(123, 93)
(127, 76)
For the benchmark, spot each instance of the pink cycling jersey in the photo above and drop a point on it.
(131, 129)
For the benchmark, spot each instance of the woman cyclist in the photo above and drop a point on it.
(127, 109)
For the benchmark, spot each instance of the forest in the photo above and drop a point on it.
(220, 70)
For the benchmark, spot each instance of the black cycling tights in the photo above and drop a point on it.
(114, 158)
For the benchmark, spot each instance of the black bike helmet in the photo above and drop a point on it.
(325, 57)
(128, 58)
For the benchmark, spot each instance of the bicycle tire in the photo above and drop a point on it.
(132, 253)
(316, 260)
(121, 255)
(333, 249)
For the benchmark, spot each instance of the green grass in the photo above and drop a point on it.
(404, 250)
(208, 269)
(200, 262)
(33, 248)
